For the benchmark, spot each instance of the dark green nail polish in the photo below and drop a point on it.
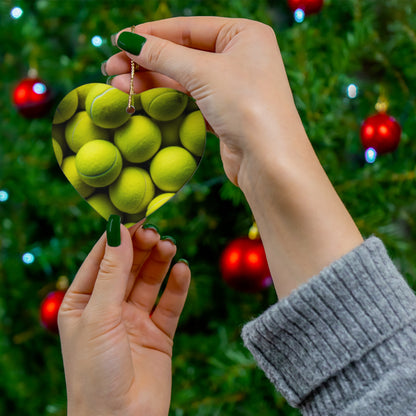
(183, 261)
(168, 237)
(151, 227)
(113, 231)
(109, 80)
(131, 42)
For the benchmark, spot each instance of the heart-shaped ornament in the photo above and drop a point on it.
(126, 162)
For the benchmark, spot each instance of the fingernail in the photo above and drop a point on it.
(169, 238)
(183, 261)
(104, 69)
(150, 227)
(113, 231)
(114, 39)
(109, 80)
(131, 42)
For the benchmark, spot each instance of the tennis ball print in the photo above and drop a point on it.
(171, 167)
(66, 108)
(132, 191)
(71, 172)
(98, 163)
(106, 106)
(157, 202)
(123, 163)
(80, 130)
(192, 133)
(163, 104)
(102, 204)
(138, 139)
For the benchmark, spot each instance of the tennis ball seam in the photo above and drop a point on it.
(102, 173)
(95, 98)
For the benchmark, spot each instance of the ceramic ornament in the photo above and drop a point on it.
(127, 154)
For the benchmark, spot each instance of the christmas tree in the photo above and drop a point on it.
(343, 59)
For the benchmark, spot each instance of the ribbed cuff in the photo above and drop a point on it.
(338, 333)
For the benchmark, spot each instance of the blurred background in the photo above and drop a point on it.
(347, 61)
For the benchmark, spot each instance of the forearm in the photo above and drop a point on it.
(343, 343)
(303, 223)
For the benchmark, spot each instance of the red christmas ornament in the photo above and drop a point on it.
(308, 6)
(244, 266)
(381, 132)
(32, 98)
(49, 310)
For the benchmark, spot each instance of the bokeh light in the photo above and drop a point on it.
(16, 13)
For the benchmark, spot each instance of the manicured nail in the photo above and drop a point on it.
(113, 231)
(104, 69)
(114, 39)
(131, 42)
(168, 237)
(150, 227)
(109, 80)
(184, 261)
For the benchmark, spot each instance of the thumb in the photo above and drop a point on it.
(177, 62)
(112, 277)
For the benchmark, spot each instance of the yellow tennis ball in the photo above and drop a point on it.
(138, 139)
(171, 168)
(58, 139)
(70, 171)
(157, 202)
(58, 151)
(170, 132)
(102, 204)
(66, 108)
(99, 163)
(192, 133)
(132, 191)
(106, 106)
(80, 130)
(83, 91)
(163, 104)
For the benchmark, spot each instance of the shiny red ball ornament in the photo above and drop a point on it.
(381, 132)
(49, 309)
(308, 6)
(244, 266)
(32, 98)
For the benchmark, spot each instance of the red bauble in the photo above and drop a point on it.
(308, 6)
(244, 266)
(49, 309)
(381, 132)
(32, 98)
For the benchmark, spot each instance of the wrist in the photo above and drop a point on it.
(303, 223)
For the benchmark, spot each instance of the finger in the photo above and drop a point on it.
(145, 81)
(197, 32)
(161, 56)
(147, 285)
(169, 309)
(144, 240)
(117, 64)
(114, 271)
(84, 280)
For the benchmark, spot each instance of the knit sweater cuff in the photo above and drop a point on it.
(332, 329)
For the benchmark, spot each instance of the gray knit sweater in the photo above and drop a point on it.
(345, 342)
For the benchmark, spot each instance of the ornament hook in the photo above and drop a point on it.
(130, 106)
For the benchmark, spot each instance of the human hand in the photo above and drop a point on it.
(117, 352)
(234, 70)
